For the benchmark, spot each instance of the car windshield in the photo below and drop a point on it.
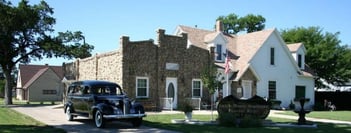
(106, 90)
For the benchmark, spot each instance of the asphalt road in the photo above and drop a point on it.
(53, 116)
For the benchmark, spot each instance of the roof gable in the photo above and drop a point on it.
(247, 46)
(243, 47)
(195, 36)
(35, 77)
(29, 73)
(296, 46)
(210, 38)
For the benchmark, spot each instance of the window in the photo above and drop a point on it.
(299, 60)
(219, 52)
(103, 90)
(197, 88)
(74, 90)
(142, 87)
(272, 54)
(49, 92)
(300, 92)
(272, 90)
(247, 88)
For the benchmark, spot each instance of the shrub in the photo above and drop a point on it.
(250, 122)
(2, 88)
(275, 104)
(291, 106)
(185, 106)
(318, 106)
(229, 119)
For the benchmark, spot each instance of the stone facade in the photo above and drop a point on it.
(248, 75)
(147, 59)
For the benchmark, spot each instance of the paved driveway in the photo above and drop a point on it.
(55, 117)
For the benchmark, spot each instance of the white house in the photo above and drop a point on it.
(261, 63)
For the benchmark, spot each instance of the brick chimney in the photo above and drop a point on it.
(219, 26)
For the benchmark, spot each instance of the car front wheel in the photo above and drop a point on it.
(69, 115)
(99, 120)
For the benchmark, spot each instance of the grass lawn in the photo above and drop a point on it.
(13, 122)
(333, 115)
(164, 121)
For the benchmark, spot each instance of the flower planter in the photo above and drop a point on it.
(276, 104)
(298, 104)
(188, 116)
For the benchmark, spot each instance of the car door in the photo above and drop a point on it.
(87, 99)
(77, 99)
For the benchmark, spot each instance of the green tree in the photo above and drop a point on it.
(329, 60)
(231, 23)
(26, 34)
(253, 23)
(2, 87)
(250, 23)
(209, 80)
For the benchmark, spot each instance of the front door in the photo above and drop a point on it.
(247, 88)
(171, 93)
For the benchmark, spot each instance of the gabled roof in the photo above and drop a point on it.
(296, 46)
(242, 48)
(29, 73)
(195, 36)
(246, 46)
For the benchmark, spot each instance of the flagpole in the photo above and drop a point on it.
(227, 69)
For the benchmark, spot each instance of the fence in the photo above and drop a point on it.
(166, 103)
(340, 99)
(195, 102)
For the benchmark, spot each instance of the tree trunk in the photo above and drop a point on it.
(8, 86)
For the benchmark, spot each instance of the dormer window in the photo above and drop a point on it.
(219, 53)
(299, 60)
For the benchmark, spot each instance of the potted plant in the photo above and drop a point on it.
(275, 104)
(187, 108)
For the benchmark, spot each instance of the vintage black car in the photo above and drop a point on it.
(101, 101)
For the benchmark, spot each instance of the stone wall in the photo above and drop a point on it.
(147, 59)
(109, 67)
(139, 60)
(248, 75)
(87, 68)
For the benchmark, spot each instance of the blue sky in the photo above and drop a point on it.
(104, 22)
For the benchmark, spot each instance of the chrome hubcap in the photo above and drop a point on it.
(98, 119)
(68, 113)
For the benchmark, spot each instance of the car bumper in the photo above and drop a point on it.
(126, 116)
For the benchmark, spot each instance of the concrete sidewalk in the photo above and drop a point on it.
(275, 113)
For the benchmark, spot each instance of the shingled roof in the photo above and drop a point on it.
(29, 73)
(241, 48)
(294, 46)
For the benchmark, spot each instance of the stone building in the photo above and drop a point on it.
(260, 63)
(149, 71)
